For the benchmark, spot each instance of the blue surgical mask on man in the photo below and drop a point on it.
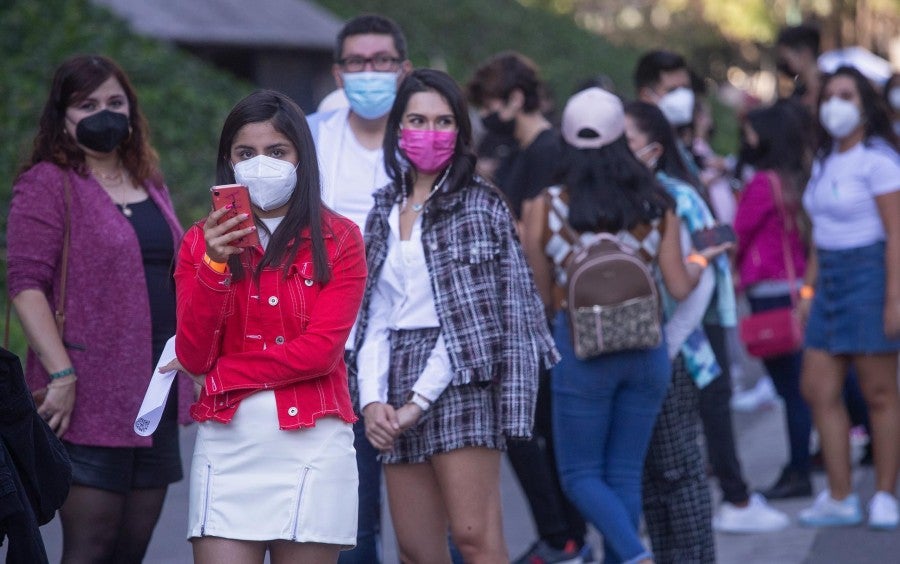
(371, 94)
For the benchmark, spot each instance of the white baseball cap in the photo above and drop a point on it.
(593, 118)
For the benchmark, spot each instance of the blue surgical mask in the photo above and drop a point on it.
(371, 94)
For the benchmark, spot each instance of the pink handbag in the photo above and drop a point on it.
(775, 332)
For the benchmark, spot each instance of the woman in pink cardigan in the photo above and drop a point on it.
(92, 150)
(775, 144)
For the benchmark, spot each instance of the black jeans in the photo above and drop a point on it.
(785, 373)
(715, 413)
(534, 463)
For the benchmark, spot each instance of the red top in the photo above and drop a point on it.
(285, 334)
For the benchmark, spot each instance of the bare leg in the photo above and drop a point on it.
(216, 550)
(418, 513)
(140, 514)
(878, 381)
(285, 552)
(469, 480)
(822, 382)
(91, 519)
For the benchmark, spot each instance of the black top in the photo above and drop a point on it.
(527, 171)
(158, 253)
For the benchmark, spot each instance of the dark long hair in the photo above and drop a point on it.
(610, 189)
(876, 120)
(785, 145)
(74, 81)
(462, 165)
(653, 123)
(305, 204)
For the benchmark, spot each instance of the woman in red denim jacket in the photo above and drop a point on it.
(264, 329)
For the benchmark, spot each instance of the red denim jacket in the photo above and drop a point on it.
(285, 334)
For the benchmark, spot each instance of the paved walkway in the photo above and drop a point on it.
(762, 448)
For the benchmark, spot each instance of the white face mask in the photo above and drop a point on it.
(839, 117)
(678, 106)
(894, 98)
(270, 181)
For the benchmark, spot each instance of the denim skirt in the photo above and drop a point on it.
(847, 314)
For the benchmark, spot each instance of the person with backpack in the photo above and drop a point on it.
(606, 230)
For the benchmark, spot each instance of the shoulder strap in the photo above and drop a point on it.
(60, 313)
(778, 195)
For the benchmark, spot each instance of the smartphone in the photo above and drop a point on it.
(239, 197)
(712, 236)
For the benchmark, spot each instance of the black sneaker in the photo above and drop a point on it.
(790, 484)
(542, 553)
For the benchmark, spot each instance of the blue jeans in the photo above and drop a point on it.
(603, 415)
(369, 525)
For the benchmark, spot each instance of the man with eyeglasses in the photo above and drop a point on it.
(370, 61)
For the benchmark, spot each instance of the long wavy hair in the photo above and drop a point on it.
(462, 165)
(305, 204)
(73, 82)
(876, 120)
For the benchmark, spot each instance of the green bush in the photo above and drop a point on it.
(462, 33)
(184, 99)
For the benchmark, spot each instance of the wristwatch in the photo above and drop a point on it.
(420, 400)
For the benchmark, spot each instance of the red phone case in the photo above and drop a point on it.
(239, 197)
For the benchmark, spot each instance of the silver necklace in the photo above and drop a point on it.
(418, 207)
(108, 181)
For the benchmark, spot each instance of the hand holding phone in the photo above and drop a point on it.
(238, 197)
(713, 236)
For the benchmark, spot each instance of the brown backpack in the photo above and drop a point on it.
(610, 292)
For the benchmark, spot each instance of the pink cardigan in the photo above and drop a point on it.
(107, 308)
(759, 228)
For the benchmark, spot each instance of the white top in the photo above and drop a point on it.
(272, 224)
(350, 173)
(401, 299)
(688, 314)
(840, 196)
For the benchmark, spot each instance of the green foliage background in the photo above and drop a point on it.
(184, 100)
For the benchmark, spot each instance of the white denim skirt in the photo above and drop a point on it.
(252, 481)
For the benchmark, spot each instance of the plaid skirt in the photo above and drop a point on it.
(463, 416)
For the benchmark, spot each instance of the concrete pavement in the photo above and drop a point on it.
(761, 443)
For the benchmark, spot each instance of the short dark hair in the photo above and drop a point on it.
(463, 163)
(504, 72)
(305, 204)
(651, 65)
(804, 36)
(370, 23)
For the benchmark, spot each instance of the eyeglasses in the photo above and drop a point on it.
(381, 63)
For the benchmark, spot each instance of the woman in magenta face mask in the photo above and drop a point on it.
(451, 332)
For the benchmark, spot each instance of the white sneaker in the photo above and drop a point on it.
(829, 512)
(761, 395)
(757, 517)
(883, 512)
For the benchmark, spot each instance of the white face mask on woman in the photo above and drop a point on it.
(839, 117)
(270, 181)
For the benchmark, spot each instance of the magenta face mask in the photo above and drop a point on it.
(428, 150)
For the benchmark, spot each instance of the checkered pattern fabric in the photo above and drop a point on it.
(677, 505)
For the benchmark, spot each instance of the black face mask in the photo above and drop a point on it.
(103, 131)
(494, 124)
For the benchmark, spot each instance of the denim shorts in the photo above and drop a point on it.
(847, 314)
(122, 469)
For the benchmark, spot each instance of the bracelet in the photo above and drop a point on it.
(697, 258)
(219, 267)
(419, 400)
(807, 292)
(54, 385)
(63, 372)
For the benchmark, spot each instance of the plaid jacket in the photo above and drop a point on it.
(491, 317)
